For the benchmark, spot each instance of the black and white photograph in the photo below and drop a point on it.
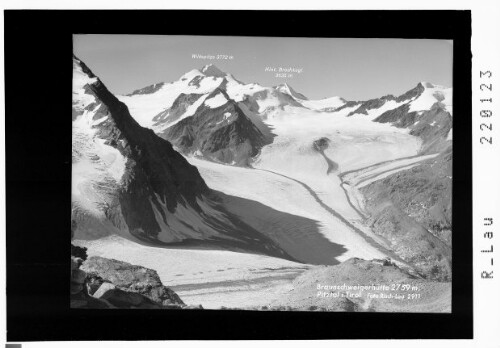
(304, 176)
(262, 173)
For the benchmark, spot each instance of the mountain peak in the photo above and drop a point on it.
(426, 84)
(213, 71)
(287, 89)
(432, 85)
(82, 75)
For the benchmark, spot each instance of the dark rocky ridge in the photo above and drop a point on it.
(412, 93)
(212, 71)
(129, 278)
(229, 139)
(154, 170)
(306, 294)
(108, 284)
(348, 104)
(293, 92)
(378, 102)
(371, 104)
(431, 126)
(147, 90)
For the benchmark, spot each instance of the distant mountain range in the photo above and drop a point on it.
(210, 113)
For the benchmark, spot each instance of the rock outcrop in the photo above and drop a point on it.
(221, 132)
(358, 285)
(431, 126)
(412, 210)
(100, 283)
(127, 278)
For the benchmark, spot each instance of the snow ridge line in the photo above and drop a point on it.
(341, 175)
(375, 175)
(395, 169)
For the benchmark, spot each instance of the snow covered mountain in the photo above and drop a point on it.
(286, 88)
(194, 111)
(128, 181)
(221, 131)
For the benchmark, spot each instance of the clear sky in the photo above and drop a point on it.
(355, 69)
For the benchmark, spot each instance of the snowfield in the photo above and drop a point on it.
(333, 102)
(354, 142)
(213, 278)
(308, 230)
(216, 101)
(144, 107)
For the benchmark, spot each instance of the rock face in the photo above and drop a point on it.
(221, 132)
(423, 110)
(370, 104)
(412, 209)
(287, 89)
(100, 283)
(148, 90)
(431, 126)
(321, 144)
(130, 278)
(336, 288)
(153, 174)
(123, 284)
(79, 297)
(134, 287)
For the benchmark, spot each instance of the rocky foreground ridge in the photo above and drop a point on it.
(358, 285)
(98, 282)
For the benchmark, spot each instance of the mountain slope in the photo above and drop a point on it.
(152, 173)
(412, 208)
(128, 181)
(219, 130)
(358, 285)
(286, 88)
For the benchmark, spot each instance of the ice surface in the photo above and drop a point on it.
(213, 278)
(333, 102)
(216, 101)
(287, 195)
